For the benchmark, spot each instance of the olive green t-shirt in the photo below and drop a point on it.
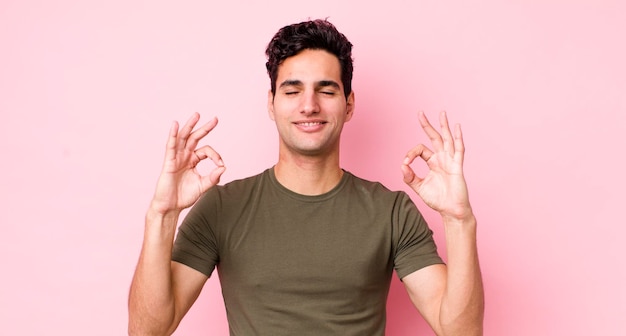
(291, 264)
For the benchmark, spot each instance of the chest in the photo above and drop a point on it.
(306, 249)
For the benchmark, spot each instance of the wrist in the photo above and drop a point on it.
(459, 212)
(460, 231)
(160, 227)
(156, 213)
(464, 218)
(162, 208)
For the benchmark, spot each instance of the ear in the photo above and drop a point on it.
(350, 106)
(270, 104)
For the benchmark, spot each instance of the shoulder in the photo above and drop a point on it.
(374, 190)
(243, 183)
(368, 186)
(237, 189)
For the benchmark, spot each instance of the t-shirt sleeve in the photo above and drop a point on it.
(195, 244)
(414, 246)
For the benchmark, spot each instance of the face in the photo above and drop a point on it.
(309, 106)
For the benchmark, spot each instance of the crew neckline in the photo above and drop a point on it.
(308, 198)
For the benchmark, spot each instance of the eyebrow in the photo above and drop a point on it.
(291, 82)
(322, 83)
(325, 83)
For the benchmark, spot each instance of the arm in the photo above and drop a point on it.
(162, 291)
(449, 297)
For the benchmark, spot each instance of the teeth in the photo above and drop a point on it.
(310, 123)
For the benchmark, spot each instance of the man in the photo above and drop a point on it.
(305, 247)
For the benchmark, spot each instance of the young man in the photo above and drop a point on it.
(306, 247)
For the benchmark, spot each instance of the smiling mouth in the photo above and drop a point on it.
(310, 123)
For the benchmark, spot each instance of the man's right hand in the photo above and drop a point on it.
(162, 291)
(180, 185)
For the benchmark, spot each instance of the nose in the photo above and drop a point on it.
(310, 105)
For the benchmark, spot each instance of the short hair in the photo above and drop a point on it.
(313, 34)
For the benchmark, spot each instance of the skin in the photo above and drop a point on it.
(451, 297)
(309, 110)
(162, 291)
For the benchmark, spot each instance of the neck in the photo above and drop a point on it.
(308, 175)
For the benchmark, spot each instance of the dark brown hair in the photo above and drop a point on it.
(314, 34)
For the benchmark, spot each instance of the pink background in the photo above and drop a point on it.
(88, 92)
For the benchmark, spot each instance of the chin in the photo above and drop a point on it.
(311, 148)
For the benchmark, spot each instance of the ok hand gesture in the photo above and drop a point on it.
(180, 184)
(443, 188)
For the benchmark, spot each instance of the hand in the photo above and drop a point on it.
(443, 188)
(180, 185)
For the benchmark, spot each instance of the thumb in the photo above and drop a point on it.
(409, 176)
(213, 178)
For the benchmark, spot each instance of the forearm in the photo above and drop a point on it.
(462, 306)
(151, 300)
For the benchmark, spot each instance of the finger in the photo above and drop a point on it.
(420, 150)
(186, 131)
(448, 141)
(409, 177)
(170, 146)
(200, 133)
(432, 134)
(212, 178)
(208, 152)
(459, 145)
